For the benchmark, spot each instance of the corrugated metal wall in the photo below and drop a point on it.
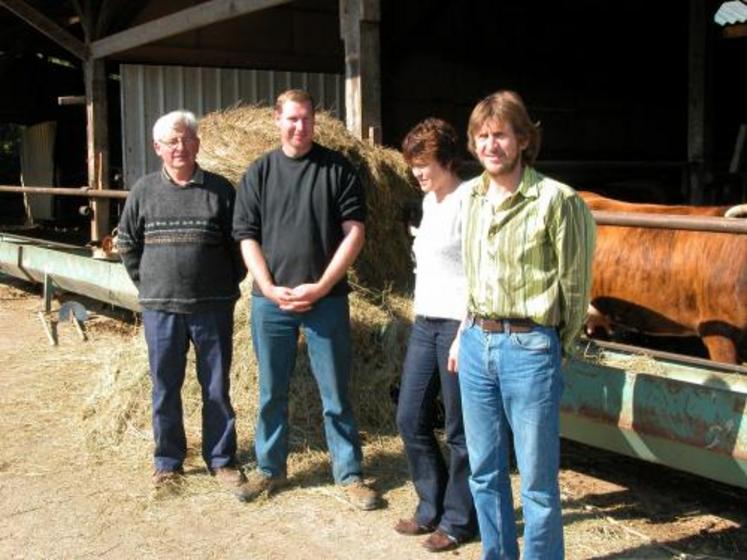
(150, 91)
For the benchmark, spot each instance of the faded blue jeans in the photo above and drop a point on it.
(513, 381)
(326, 328)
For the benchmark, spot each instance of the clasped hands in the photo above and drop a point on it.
(297, 300)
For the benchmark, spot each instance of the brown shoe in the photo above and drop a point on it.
(161, 478)
(362, 496)
(258, 483)
(439, 541)
(411, 527)
(230, 477)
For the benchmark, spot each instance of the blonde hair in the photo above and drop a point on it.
(507, 107)
(297, 95)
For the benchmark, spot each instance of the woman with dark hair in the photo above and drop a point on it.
(445, 508)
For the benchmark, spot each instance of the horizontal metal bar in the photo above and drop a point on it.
(666, 221)
(84, 192)
(70, 268)
(669, 356)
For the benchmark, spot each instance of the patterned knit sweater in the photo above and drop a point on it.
(175, 242)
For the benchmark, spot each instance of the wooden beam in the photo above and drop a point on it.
(359, 27)
(188, 19)
(698, 137)
(71, 100)
(46, 26)
(735, 31)
(97, 133)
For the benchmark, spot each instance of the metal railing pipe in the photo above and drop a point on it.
(667, 221)
(84, 192)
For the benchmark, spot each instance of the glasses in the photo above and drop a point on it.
(173, 143)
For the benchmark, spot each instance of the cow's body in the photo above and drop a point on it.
(672, 282)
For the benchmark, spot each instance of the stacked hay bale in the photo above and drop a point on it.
(118, 411)
(231, 139)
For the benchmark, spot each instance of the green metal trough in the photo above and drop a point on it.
(689, 416)
(67, 267)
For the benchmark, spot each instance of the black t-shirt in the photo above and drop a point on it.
(294, 208)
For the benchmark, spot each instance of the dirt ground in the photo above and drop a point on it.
(61, 499)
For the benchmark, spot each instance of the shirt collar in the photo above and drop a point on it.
(528, 185)
(198, 177)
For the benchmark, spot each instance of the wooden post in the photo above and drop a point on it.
(359, 28)
(98, 143)
(699, 125)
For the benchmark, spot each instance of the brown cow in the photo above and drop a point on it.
(672, 282)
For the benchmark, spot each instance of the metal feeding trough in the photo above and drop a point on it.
(688, 414)
(66, 267)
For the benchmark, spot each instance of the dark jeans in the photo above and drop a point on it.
(443, 492)
(168, 336)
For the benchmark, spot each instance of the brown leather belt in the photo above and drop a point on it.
(504, 325)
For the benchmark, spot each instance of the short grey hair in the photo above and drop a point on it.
(172, 121)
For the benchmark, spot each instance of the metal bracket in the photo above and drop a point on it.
(77, 314)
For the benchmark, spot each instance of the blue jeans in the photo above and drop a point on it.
(444, 498)
(326, 328)
(168, 336)
(514, 381)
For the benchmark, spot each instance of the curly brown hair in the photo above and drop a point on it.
(432, 139)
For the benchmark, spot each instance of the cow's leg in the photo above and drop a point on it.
(721, 348)
(597, 323)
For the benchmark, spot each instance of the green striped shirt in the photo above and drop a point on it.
(530, 256)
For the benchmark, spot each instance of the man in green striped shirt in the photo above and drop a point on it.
(528, 243)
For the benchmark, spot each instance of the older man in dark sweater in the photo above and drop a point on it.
(175, 241)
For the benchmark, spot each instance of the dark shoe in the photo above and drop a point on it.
(412, 528)
(439, 541)
(230, 477)
(258, 483)
(163, 478)
(361, 495)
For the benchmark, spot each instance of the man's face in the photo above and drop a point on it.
(296, 124)
(178, 149)
(499, 148)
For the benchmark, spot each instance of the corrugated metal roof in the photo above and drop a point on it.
(731, 12)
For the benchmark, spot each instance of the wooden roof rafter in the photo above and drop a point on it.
(46, 26)
(188, 19)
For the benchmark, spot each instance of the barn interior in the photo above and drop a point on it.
(643, 102)
(640, 101)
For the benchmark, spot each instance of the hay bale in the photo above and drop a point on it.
(232, 139)
(117, 413)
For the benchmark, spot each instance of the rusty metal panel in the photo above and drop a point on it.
(149, 91)
(688, 418)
